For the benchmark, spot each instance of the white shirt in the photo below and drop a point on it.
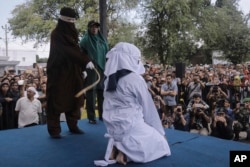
(28, 111)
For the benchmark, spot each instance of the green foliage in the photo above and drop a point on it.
(182, 30)
(36, 19)
(167, 31)
(41, 60)
(233, 32)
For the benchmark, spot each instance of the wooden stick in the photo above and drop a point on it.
(83, 91)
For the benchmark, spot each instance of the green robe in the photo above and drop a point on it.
(96, 48)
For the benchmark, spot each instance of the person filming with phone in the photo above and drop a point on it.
(181, 118)
(242, 119)
(199, 118)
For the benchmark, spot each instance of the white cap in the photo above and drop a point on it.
(32, 89)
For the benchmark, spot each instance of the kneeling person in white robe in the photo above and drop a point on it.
(133, 125)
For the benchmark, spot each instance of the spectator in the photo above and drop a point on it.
(169, 91)
(199, 118)
(181, 118)
(30, 84)
(195, 86)
(17, 78)
(227, 106)
(42, 99)
(160, 105)
(214, 95)
(242, 117)
(222, 125)
(15, 94)
(8, 112)
(28, 108)
(148, 80)
(156, 86)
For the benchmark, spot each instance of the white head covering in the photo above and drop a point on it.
(124, 56)
(67, 19)
(32, 89)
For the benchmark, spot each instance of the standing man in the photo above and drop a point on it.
(64, 75)
(169, 91)
(195, 87)
(95, 46)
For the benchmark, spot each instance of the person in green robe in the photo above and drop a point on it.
(95, 46)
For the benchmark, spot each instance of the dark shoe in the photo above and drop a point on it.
(56, 136)
(100, 119)
(92, 121)
(236, 139)
(77, 131)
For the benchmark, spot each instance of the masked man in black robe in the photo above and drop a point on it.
(64, 71)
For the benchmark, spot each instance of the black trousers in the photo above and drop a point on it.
(92, 97)
(53, 121)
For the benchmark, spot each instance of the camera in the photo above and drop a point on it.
(198, 105)
(178, 110)
(198, 109)
(220, 103)
(237, 127)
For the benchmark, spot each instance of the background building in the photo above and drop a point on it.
(19, 60)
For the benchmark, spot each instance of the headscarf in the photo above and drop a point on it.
(68, 15)
(122, 59)
(96, 47)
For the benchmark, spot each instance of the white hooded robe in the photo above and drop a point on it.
(129, 113)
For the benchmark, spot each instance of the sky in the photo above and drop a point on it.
(5, 12)
(8, 5)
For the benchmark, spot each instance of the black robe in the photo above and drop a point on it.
(64, 74)
(8, 119)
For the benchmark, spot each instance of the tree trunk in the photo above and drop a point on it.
(103, 17)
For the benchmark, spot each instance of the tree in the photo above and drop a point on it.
(234, 32)
(35, 19)
(103, 17)
(169, 32)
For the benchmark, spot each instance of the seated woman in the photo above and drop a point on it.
(133, 125)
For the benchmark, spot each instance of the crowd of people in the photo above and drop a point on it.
(208, 99)
(135, 102)
(22, 98)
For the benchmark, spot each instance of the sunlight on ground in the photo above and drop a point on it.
(84, 113)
